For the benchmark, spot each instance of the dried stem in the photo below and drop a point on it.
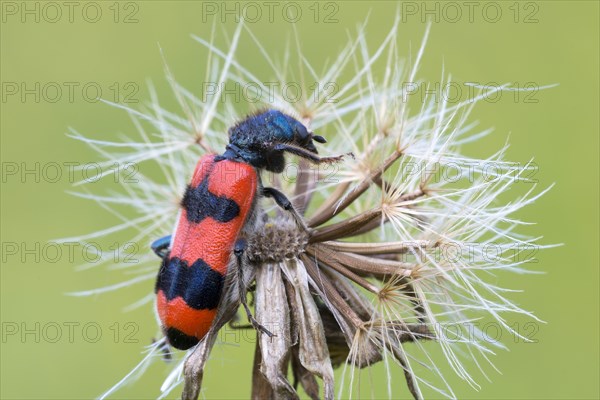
(342, 309)
(375, 266)
(380, 248)
(322, 258)
(330, 212)
(330, 293)
(344, 228)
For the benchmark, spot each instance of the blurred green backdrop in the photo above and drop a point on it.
(542, 42)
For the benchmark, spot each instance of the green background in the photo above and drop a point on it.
(560, 130)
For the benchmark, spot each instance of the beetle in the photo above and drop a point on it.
(218, 209)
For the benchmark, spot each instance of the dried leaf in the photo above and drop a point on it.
(260, 386)
(313, 352)
(272, 312)
(303, 376)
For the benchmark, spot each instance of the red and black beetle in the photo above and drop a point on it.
(217, 207)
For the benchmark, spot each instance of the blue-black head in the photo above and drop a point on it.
(262, 139)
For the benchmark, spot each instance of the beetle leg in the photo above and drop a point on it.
(161, 246)
(167, 355)
(235, 322)
(283, 202)
(234, 325)
(238, 251)
(312, 157)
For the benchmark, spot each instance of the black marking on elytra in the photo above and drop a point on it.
(199, 285)
(200, 203)
(180, 340)
(161, 273)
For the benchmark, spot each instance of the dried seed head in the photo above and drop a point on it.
(276, 240)
(375, 277)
